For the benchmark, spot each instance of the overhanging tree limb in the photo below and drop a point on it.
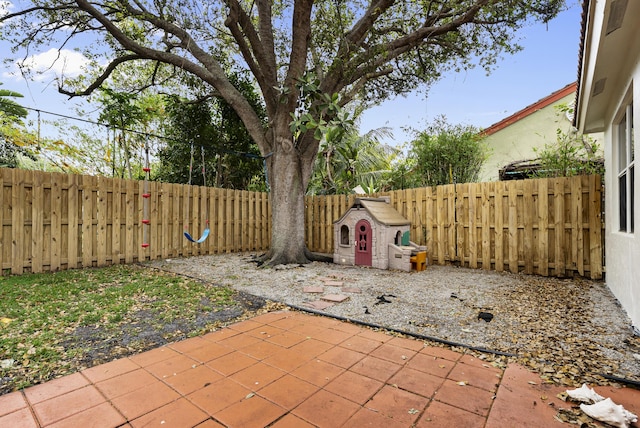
(98, 81)
(210, 71)
(250, 44)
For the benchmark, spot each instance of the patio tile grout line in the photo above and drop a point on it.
(430, 399)
(31, 409)
(107, 399)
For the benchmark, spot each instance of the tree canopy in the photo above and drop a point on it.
(365, 51)
(447, 154)
(12, 135)
(231, 159)
(9, 107)
(347, 159)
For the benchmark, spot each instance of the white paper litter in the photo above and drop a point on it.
(609, 412)
(7, 364)
(584, 394)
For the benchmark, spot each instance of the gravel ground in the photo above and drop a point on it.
(569, 330)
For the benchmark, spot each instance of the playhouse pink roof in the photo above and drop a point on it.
(380, 211)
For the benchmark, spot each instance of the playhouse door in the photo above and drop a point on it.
(363, 243)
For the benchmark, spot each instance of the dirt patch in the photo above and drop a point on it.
(87, 346)
(147, 330)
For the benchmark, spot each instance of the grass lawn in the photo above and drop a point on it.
(52, 324)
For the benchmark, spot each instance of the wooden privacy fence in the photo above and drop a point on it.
(51, 221)
(549, 227)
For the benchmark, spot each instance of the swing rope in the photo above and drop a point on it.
(205, 234)
(146, 195)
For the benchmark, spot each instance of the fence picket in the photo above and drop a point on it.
(251, 229)
(103, 190)
(558, 226)
(513, 228)
(86, 221)
(37, 221)
(155, 228)
(73, 222)
(5, 204)
(543, 227)
(499, 226)
(578, 226)
(440, 226)
(486, 224)
(595, 227)
(527, 212)
(473, 228)
(17, 222)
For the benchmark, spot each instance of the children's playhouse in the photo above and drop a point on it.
(373, 233)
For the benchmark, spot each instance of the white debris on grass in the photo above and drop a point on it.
(7, 364)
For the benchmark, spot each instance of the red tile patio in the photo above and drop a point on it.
(289, 369)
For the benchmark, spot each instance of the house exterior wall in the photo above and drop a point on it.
(610, 83)
(622, 249)
(516, 141)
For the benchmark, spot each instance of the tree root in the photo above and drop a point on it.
(319, 257)
(269, 259)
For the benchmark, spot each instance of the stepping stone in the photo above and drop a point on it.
(337, 298)
(333, 283)
(351, 290)
(312, 289)
(318, 305)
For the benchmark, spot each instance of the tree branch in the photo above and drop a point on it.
(244, 33)
(301, 30)
(269, 67)
(368, 61)
(358, 33)
(24, 12)
(359, 84)
(101, 79)
(209, 71)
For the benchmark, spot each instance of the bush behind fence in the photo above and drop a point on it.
(52, 221)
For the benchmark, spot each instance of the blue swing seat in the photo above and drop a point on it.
(204, 236)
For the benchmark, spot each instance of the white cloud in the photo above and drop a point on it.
(5, 7)
(50, 64)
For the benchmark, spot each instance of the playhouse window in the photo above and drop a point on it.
(398, 240)
(344, 235)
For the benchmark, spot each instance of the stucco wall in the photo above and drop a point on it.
(623, 249)
(516, 141)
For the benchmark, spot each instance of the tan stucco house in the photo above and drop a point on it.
(514, 138)
(608, 86)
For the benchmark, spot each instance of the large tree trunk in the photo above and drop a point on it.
(288, 186)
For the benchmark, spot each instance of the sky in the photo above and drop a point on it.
(547, 63)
